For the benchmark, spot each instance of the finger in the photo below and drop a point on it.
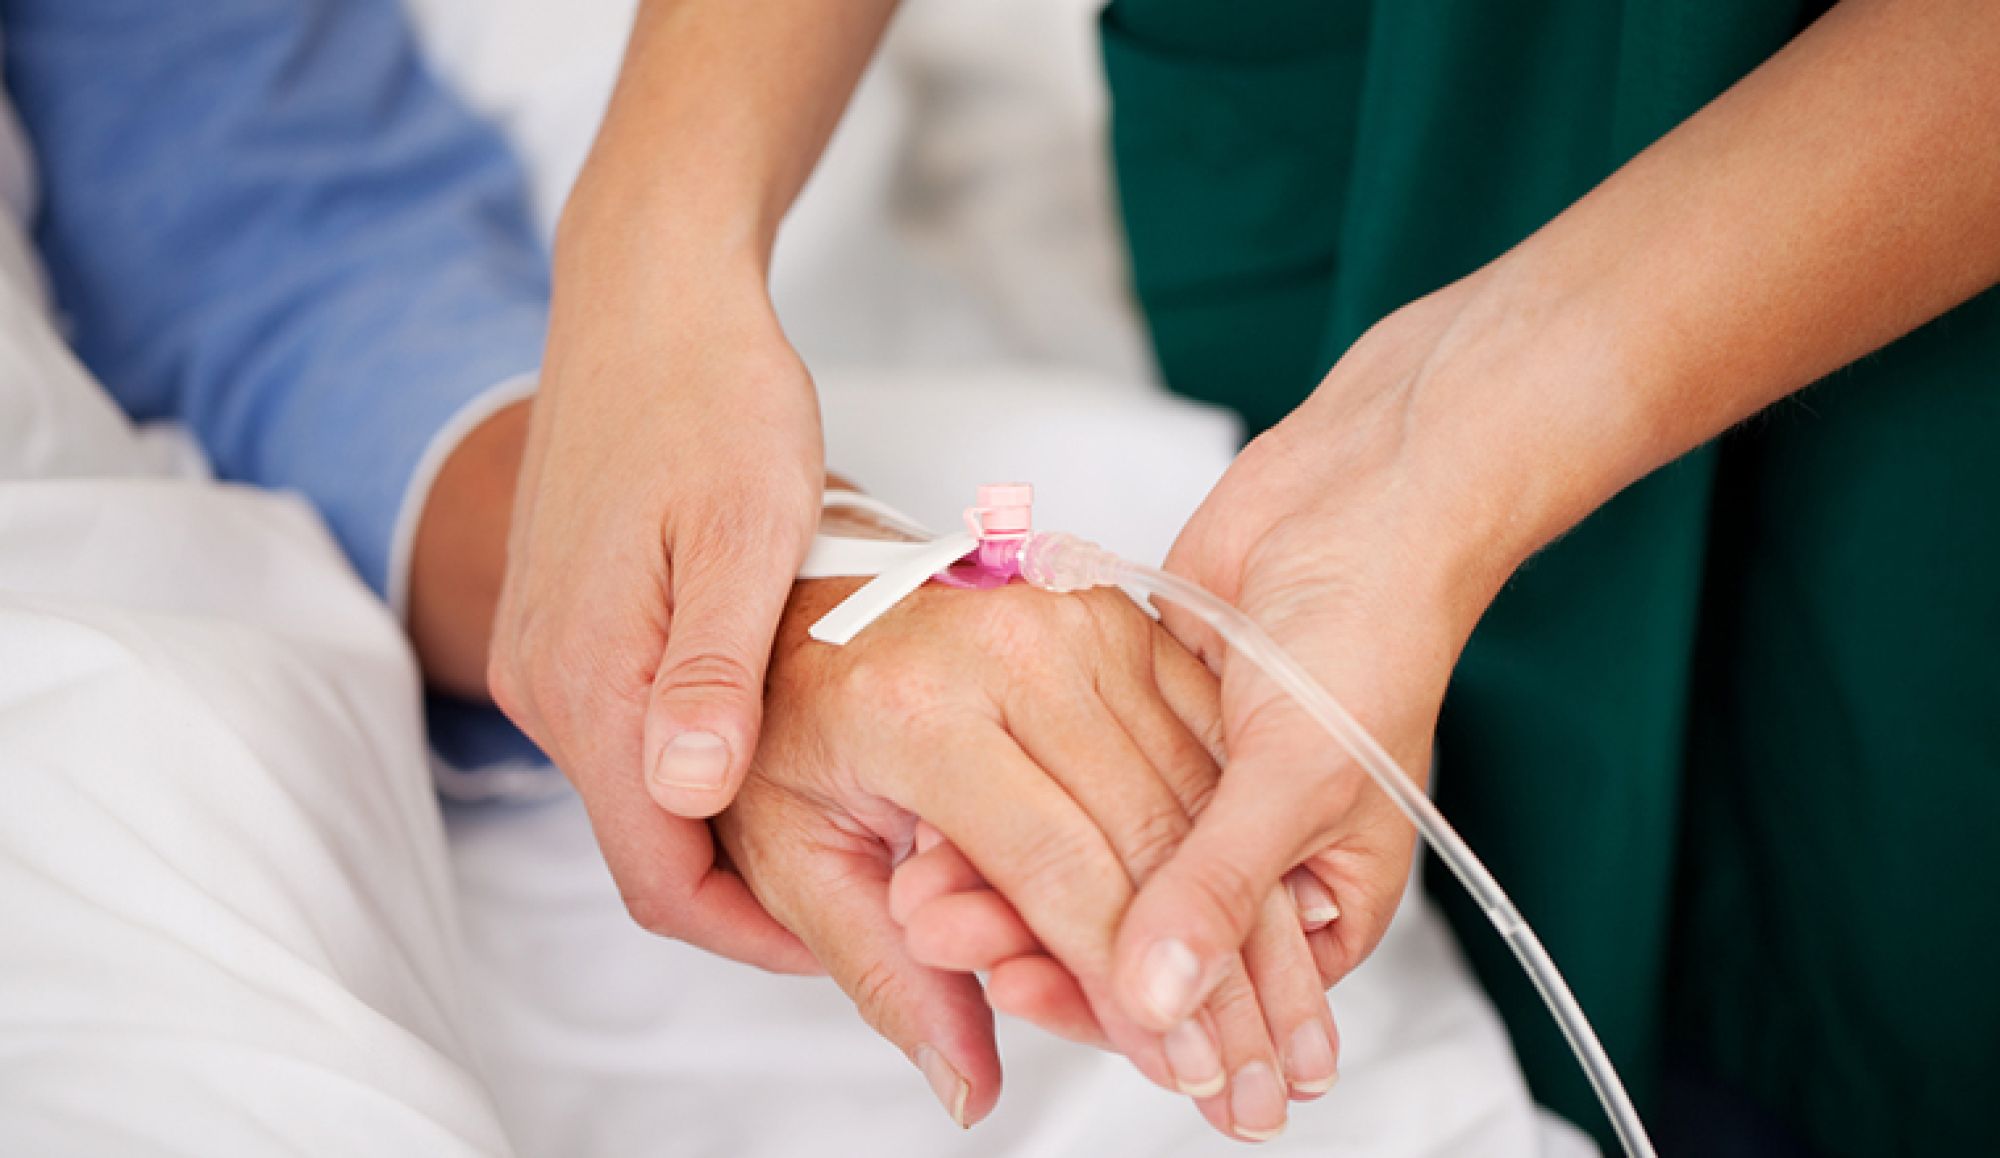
(938, 871)
(1037, 989)
(665, 870)
(1117, 784)
(1287, 982)
(1194, 914)
(1327, 956)
(1084, 745)
(939, 1019)
(1311, 899)
(839, 905)
(1284, 967)
(970, 932)
(1025, 982)
(1192, 693)
(1145, 820)
(1367, 871)
(1020, 830)
(707, 698)
(1027, 836)
(1252, 1104)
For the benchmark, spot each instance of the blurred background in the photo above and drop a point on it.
(954, 272)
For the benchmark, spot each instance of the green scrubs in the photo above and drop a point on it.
(1733, 744)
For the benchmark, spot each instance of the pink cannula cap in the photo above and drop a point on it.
(1005, 508)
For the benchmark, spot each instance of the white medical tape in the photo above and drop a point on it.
(890, 587)
(898, 568)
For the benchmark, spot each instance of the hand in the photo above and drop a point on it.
(669, 490)
(953, 918)
(1333, 532)
(1055, 740)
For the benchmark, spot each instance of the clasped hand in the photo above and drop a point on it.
(1056, 747)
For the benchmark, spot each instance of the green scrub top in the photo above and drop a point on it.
(1734, 743)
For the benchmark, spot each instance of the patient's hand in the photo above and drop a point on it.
(1054, 740)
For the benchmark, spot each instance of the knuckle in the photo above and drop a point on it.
(1052, 864)
(716, 671)
(652, 910)
(894, 687)
(1200, 795)
(1112, 611)
(1226, 894)
(1152, 842)
(1234, 1001)
(875, 988)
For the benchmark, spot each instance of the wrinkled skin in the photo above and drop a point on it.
(1056, 742)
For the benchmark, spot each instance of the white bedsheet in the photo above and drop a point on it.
(604, 1039)
(233, 918)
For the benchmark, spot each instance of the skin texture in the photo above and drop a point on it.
(1063, 741)
(671, 472)
(668, 483)
(1842, 194)
(1839, 196)
(1055, 740)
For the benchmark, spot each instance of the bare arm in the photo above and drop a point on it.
(721, 112)
(1842, 194)
(1838, 197)
(671, 471)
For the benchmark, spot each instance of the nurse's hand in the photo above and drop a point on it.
(1340, 532)
(670, 487)
(673, 474)
(1055, 740)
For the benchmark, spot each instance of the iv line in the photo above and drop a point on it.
(1061, 562)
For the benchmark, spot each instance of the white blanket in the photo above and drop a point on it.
(229, 926)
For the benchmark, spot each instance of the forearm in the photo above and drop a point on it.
(721, 111)
(460, 554)
(1841, 195)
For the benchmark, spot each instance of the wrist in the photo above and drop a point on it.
(634, 209)
(460, 554)
(1461, 434)
(1529, 413)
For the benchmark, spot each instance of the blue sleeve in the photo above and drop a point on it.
(265, 218)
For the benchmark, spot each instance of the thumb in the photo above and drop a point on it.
(939, 1019)
(708, 695)
(1194, 913)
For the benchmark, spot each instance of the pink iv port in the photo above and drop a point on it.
(1002, 517)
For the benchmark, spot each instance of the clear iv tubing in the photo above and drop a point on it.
(1060, 562)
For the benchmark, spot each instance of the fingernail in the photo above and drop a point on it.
(1314, 902)
(1257, 1103)
(1309, 1061)
(1191, 1056)
(1168, 980)
(950, 1089)
(694, 760)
